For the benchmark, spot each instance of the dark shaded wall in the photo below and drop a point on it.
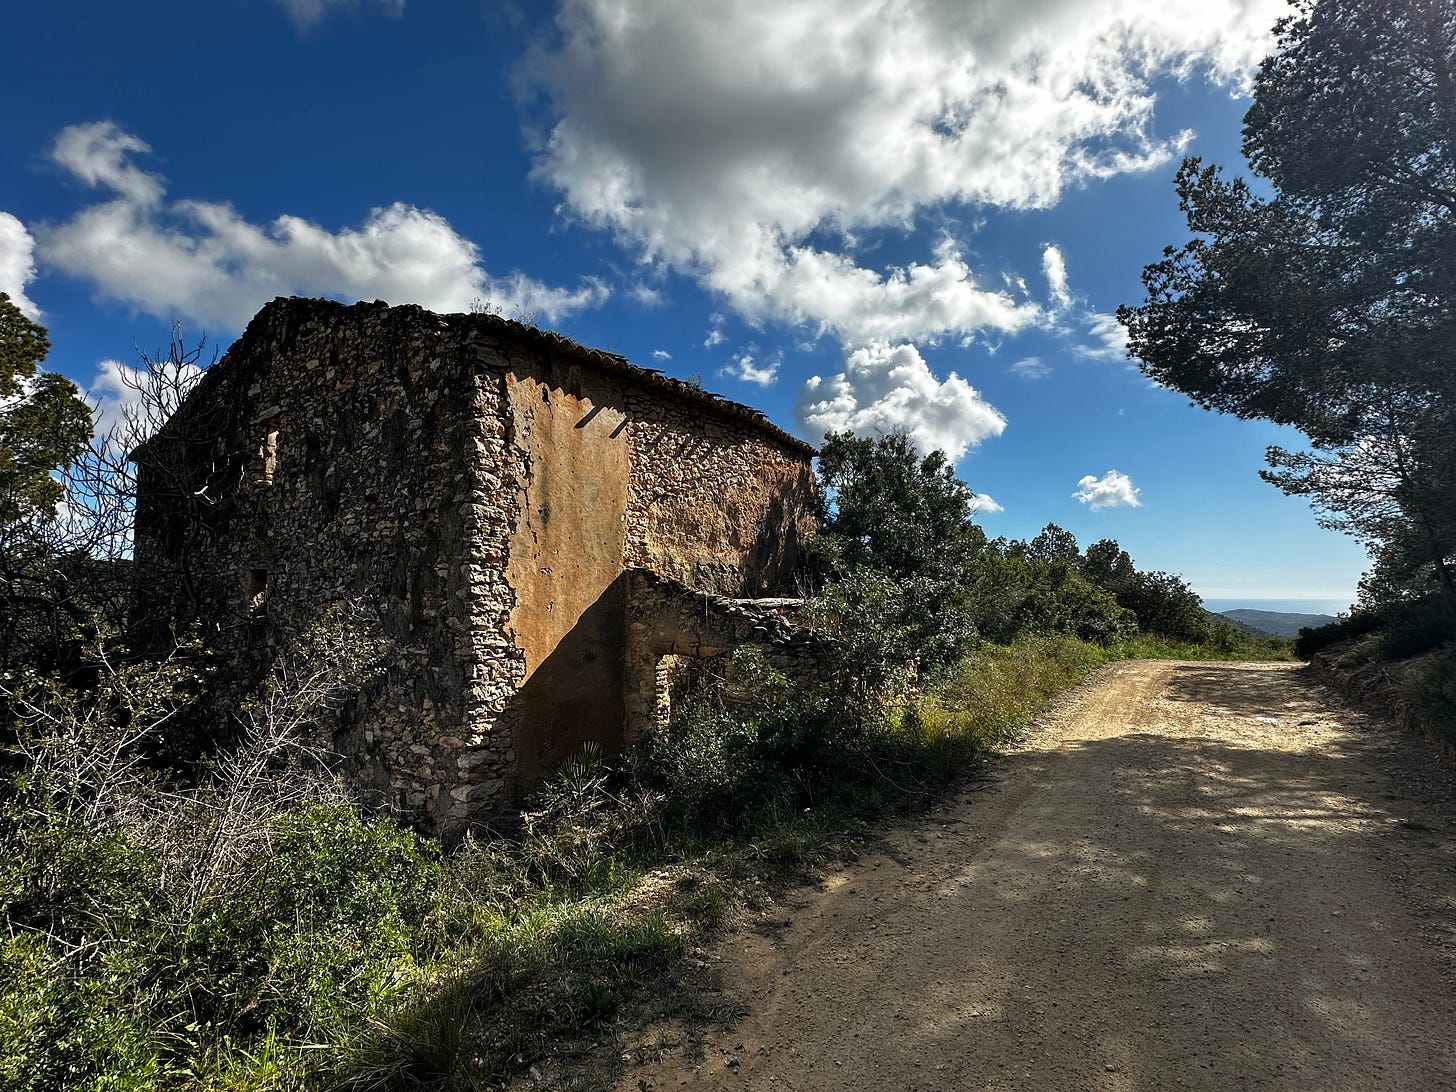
(329, 456)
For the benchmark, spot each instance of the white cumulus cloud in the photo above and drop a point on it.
(99, 154)
(752, 143)
(203, 260)
(885, 387)
(833, 294)
(764, 148)
(17, 263)
(984, 502)
(1112, 490)
(116, 396)
(1055, 268)
(745, 368)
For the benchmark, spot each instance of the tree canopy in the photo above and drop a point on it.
(1323, 294)
(893, 509)
(896, 529)
(909, 574)
(45, 425)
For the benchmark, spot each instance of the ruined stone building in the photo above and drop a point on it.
(537, 524)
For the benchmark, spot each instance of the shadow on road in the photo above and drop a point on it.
(1200, 877)
(1198, 914)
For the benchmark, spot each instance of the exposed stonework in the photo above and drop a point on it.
(486, 487)
(669, 621)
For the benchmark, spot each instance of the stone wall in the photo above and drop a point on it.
(613, 468)
(565, 422)
(483, 487)
(670, 624)
(331, 455)
(715, 503)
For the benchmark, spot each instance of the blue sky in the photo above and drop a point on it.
(850, 213)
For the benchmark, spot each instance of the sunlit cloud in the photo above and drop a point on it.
(1112, 490)
(887, 387)
(205, 261)
(17, 263)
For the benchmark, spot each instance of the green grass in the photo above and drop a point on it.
(1161, 648)
(346, 952)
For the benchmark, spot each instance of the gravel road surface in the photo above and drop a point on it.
(1193, 876)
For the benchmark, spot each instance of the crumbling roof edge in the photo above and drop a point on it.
(522, 334)
(648, 377)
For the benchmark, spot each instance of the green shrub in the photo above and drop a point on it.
(60, 1029)
(877, 627)
(1312, 639)
(130, 978)
(741, 754)
(1417, 627)
(1411, 627)
(352, 895)
(1059, 602)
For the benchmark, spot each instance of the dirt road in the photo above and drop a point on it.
(1193, 876)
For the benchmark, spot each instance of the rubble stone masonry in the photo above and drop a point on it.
(482, 487)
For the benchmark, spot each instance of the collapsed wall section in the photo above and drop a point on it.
(671, 625)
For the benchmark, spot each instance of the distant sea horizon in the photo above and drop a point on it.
(1281, 606)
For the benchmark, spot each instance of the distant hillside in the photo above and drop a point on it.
(1253, 633)
(1277, 622)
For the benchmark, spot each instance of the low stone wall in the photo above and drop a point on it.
(667, 619)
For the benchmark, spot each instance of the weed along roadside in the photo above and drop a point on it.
(347, 952)
(250, 921)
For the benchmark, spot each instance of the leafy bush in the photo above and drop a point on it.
(1427, 690)
(1417, 627)
(1410, 627)
(748, 751)
(894, 548)
(69, 1011)
(1061, 602)
(1312, 639)
(154, 921)
(117, 975)
(1164, 604)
